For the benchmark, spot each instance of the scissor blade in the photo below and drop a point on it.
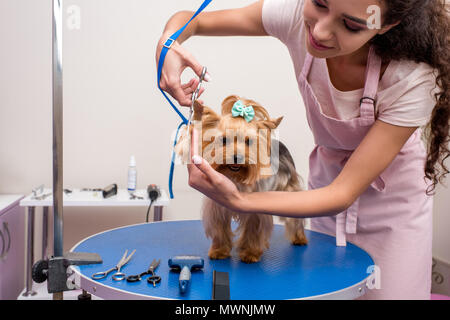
(155, 264)
(121, 261)
(191, 112)
(128, 258)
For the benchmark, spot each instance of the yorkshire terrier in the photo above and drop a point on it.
(239, 145)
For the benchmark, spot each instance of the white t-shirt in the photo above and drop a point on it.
(405, 92)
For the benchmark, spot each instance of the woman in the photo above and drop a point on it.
(367, 92)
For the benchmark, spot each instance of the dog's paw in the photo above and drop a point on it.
(299, 240)
(220, 253)
(250, 257)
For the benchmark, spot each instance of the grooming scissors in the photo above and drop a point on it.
(118, 276)
(154, 279)
(194, 97)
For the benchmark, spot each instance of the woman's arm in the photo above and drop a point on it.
(242, 21)
(246, 21)
(377, 150)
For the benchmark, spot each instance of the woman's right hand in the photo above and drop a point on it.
(246, 21)
(177, 59)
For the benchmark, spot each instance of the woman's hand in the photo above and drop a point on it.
(211, 183)
(177, 59)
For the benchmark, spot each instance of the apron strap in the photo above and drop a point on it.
(368, 101)
(346, 221)
(352, 217)
(340, 229)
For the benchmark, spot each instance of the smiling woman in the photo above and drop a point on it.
(367, 92)
(340, 28)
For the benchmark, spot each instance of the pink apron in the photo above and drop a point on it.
(392, 219)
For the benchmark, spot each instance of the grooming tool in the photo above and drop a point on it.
(42, 196)
(195, 95)
(221, 286)
(153, 192)
(38, 190)
(109, 191)
(153, 279)
(118, 276)
(166, 47)
(90, 189)
(185, 264)
(194, 99)
(132, 175)
(38, 193)
(133, 196)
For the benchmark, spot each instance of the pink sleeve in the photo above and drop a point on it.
(413, 108)
(280, 17)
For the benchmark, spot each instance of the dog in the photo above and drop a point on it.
(238, 143)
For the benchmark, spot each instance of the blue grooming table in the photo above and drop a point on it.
(319, 270)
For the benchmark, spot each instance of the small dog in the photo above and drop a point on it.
(239, 145)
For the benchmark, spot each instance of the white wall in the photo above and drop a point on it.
(112, 107)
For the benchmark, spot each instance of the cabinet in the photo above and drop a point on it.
(12, 247)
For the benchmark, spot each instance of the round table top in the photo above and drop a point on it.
(318, 270)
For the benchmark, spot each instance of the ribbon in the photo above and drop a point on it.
(240, 110)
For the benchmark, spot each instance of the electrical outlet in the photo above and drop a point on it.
(440, 277)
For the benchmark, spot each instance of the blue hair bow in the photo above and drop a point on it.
(240, 110)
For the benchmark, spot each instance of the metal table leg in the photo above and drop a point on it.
(157, 214)
(30, 252)
(45, 233)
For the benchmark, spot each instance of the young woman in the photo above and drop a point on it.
(367, 92)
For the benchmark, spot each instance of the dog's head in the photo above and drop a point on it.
(236, 143)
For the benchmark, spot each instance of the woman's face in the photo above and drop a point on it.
(340, 27)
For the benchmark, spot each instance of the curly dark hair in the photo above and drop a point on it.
(423, 36)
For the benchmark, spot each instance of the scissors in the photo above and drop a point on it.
(154, 279)
(118, 276)
(194, 97)
(133, 196)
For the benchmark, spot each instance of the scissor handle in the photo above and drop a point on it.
(134, 278)
(119, 276)
(203, 73)
(102, 274)
(197, 90)
(154, 280)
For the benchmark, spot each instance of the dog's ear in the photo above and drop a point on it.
(208, 117)
(227, 104)
(269, 124)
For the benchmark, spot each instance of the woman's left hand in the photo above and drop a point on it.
(211, 183)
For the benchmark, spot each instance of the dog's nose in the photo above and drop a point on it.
(238, 159)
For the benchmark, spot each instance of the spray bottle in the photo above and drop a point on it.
(132, 175)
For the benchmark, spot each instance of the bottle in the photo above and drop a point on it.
(132, 175)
